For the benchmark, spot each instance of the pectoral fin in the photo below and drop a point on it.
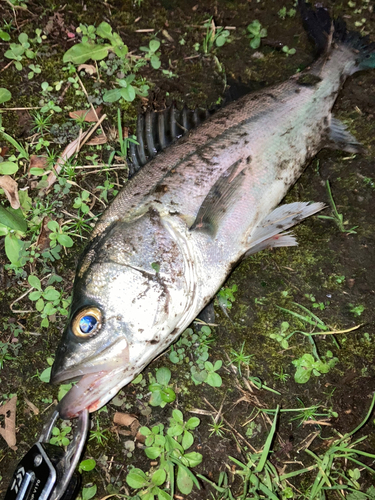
(219, 199)
(269, 233)
(340, 138)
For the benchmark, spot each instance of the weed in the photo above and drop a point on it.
(41, 123)
(208, 374)
(283, 377)
(98, 435)
(336, 217)
(217, 428)
(213, 36)
(307, 365)
(152, 53)
(171, 451)
(86, 465)
(287, 51)
(161, 393)
(256, 33)
(48, 301)
(59, 436)
(80, 202)
(281, 336)
(58, 235)
(225, 297)
(240, 358)
(124, 141)
(283, 12)
(89, 492)
(356, 310)
(315, 304)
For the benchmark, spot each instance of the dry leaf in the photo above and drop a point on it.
(89, 68)
(66, 154)
(128, 421)
(10, 187)
(9, 430)
(31, 405)
(43, 241)
(88, 114)
(38, 162)
(98, 139)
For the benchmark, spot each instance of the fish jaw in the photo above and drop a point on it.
(91, 392)
(94, 378)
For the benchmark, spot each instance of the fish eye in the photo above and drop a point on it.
(87, 322)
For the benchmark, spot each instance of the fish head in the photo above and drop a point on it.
(119, 321)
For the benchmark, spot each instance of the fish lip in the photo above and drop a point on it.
(107, 361)
(91, 392)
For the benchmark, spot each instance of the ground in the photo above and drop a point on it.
(331, 272)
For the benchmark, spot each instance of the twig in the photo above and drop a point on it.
(92, 107)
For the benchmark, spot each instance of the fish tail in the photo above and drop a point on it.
(323, 31)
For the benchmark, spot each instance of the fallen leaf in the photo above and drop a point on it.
(127, 420)
(10, 187)
(88, 114)
(43, 241)
(31, 405)
(9, 430)
(89, 68)
(98, 139)
(66, 154)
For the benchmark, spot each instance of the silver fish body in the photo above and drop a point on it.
(169, 240)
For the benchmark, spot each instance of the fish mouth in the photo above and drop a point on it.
(92, 392)
(99, 379)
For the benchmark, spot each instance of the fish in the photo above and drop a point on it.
(166, 244)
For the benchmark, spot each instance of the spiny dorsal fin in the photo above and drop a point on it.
(156, 130)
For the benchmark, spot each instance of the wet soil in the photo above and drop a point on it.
(331, 268)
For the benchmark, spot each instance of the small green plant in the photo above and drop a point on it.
(283, 377)
(93, 44)
(124, 141)
(283, 12)
(307, 365)
(87, 465)
(217, 428)
(281, 336)
(98, 435)
(240, 358)
(152, 53)
(41, 123)
(316, 305)
(126, 90)
(89, 492)
(208, 374)
(59, 436)
(287, 51)
(80, 202)
(21, 50)
(48, 301)
(5, 95)
(256, 33)
(161, 393)
(356, 310)
(213, 36)
(58, 235)
(170, 449)
(225, 297)
(336, 216)
(339, 279)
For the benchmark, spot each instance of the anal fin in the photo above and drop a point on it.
(269, 233)
(339, 137)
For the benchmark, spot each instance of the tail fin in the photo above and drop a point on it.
(323, 31)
